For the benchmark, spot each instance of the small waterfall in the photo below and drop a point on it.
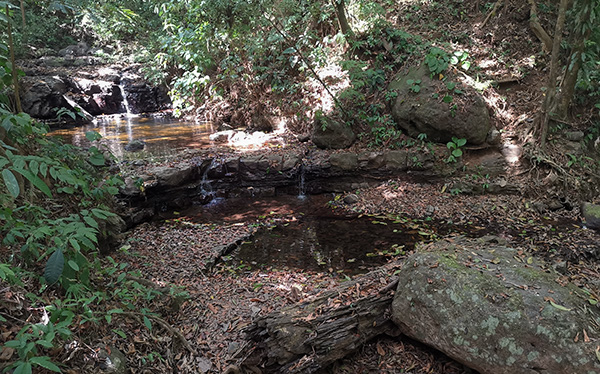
(125, 102)
(302, 182)
(207, 193)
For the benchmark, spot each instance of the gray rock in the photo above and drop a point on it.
(396, 160)
(135, 145)
(574, 136)
(42, 95)
(591, 213)
(113, 362)
(173, 176)
(424, 112)
(331, 134)
(351, 199)
(493, 137)
(344, 161)
(476, 302)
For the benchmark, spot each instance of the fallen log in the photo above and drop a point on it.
(310, 335)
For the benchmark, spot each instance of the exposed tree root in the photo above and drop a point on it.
(537, 29)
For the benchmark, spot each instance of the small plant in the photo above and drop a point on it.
(454, 147)
(437, 60)
(415, 85)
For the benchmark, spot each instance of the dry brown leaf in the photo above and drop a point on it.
(380, 350)
(6, 353)
(586, 338)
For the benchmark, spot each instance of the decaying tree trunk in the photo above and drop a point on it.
(309, 336)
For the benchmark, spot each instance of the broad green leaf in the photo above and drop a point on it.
(92, 135)
(12, 185)
(23, 368)
(73, 265)
(120, 333)
(34, 167)
(90, 221)
(457, 152)
(75, 244)
(147, 323)
(97, 159)
(43, 169)
(36, 181)
(54, 266)
(44, 361)
(460, 142)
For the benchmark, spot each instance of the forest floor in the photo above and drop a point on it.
(226, 298)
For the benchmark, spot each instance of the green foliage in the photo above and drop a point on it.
(415, 85)
(437, 60)
(455, 149)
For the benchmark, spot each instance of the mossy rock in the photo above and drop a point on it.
(329, 133)
(426, 105)
(591, 213)
(495, 310)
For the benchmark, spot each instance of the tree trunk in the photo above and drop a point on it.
(15, 76)
(581, 34)
(309, 336)
(340, 11)
(549, 102)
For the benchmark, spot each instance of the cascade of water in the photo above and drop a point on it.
(125, 102)
(206, 190)
(302, 182)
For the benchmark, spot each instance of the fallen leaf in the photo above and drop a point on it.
(6, 353)
(586, 338)
(380, 350)
(560, 307)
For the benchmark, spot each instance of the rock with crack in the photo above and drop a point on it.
(496, 310)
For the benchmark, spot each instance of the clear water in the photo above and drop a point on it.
(162, 135)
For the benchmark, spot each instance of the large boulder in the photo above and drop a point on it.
(329, 133)
(496, 310)
(42, 96)
(420, 108)
(591, 213)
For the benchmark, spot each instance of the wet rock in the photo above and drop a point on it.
(591, 213)
(135, 145)
(425, 111)
(329, 133)
(484, 305)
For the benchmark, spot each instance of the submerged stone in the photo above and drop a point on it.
(496, 310)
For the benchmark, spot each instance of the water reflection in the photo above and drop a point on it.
(162, 135)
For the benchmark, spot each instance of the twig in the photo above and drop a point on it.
(493, 12)
(166, 326)
(390, 286)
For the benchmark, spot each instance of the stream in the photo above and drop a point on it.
(162, 135)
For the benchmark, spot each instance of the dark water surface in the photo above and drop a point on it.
(162, 135)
